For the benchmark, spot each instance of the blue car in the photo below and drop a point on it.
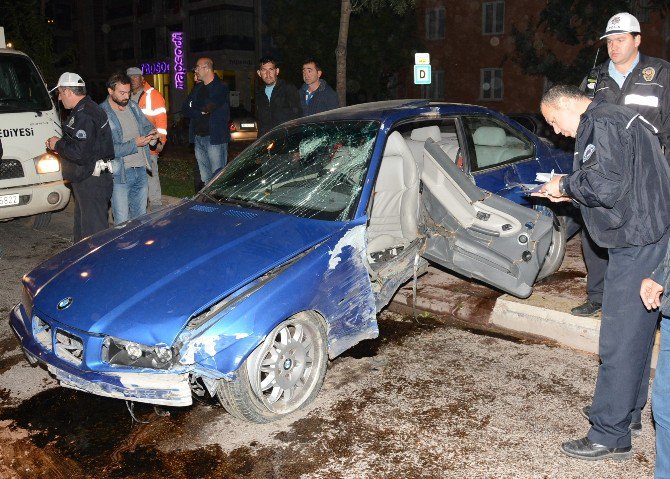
(284, 259)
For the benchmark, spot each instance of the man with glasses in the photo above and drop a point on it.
(87, 139)
(208, 107)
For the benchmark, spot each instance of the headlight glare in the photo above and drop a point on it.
(46, 163)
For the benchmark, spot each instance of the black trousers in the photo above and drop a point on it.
(91, 208)
(627, 333)
(595, 259)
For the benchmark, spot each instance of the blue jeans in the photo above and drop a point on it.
(660, 403)
(129, 199)
(210, 157)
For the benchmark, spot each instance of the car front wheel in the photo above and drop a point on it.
(283, 374)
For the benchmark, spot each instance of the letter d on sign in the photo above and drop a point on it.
(422, 75)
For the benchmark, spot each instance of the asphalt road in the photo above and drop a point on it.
(425, 400)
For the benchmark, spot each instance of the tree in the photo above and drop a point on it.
(380, 44)
(26, 27)
(571, 22)
(346, 9)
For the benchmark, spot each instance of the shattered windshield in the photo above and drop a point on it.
(314, 170)
(21, 87)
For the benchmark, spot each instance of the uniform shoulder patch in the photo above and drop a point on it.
(588, 151)
(648, 73)
(81, 134)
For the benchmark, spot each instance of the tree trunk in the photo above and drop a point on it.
(341, 52)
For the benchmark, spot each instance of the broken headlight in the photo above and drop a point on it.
(120, 352)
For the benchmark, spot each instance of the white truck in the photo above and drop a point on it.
(31, 182)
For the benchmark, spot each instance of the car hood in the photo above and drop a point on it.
(143, 281)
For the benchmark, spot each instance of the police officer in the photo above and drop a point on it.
(621, 182)
(641, 83)
(87, 138)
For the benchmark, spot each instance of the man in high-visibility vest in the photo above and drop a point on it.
(152, 104)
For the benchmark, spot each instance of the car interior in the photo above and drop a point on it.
(425, 206)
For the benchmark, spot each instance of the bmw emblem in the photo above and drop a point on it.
(64, 303)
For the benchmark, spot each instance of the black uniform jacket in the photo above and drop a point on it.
(283, 106)
(621, 179)
(86, 139)
(646, 90)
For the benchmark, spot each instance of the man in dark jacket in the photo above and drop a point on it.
(315, 94)
(276, 100)
(642, 83)
(208, 107)
(621, 182)
(87, 140)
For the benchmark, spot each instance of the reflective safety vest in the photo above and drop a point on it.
(152, 104)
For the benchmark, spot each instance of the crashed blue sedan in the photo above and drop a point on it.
(284, 259)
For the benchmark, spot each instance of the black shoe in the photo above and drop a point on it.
(587, 309)
(590, 451)
(635, 427)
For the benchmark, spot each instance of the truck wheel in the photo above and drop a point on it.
(41, 221)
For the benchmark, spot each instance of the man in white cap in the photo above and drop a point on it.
(152, 104)
(641, 83)
(87, 139)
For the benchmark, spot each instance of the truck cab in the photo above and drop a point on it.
(31, 181)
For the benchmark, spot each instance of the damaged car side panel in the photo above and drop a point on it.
(331, 280)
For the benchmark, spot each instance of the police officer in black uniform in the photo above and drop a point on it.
(621, 182)
(87, 140)
(641, 83)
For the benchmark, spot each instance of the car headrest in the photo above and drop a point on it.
(422, 134)
(490, 136)
(396, 146)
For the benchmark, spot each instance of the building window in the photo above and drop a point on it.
(435, 18)
(222, 29)
(148, 44)
(493, 18)
(491, 85)
(145, 7)
(120, 44)
(640, 8)
(435, 91)
(119, 9)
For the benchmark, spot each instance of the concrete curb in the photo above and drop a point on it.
(573, 331)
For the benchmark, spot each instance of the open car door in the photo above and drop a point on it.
(479, 234)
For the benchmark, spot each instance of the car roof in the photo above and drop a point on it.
(392, 109)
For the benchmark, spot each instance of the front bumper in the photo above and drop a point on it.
(160, 388)
(33, 199)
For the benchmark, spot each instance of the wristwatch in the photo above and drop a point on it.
(561, 186)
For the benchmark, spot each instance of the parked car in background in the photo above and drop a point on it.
(242, 125)
(536, 124)
(285, 258)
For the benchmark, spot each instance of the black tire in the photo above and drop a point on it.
(556, 252)
(41, 221)
(297, 350)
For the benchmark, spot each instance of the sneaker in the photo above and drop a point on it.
(587, 309)
(590, 451)
(635, 427)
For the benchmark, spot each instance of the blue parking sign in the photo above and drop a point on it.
(422, 75)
